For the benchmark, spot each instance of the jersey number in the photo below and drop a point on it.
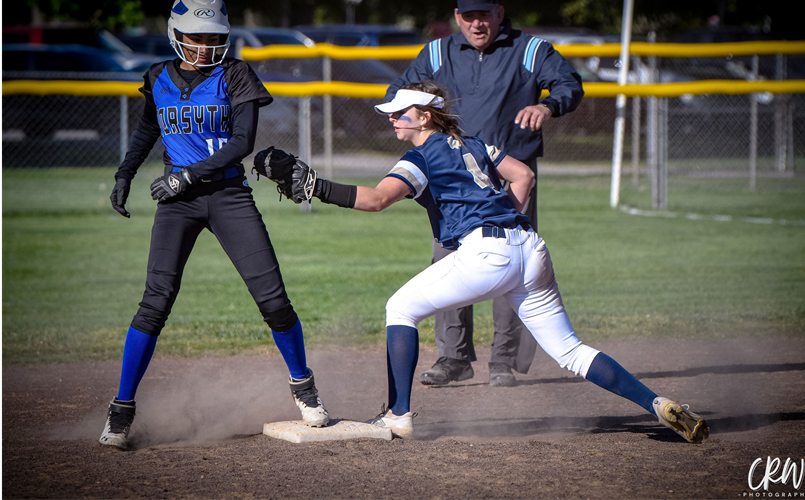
(478, 176)
(211, 144)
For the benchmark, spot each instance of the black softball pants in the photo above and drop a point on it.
(226, 208)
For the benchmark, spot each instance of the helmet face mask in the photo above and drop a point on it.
(191, 52)
(190, 20)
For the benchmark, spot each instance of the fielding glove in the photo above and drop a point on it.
(172, 184)
(303, 182)
(120, 193)
(278, 166)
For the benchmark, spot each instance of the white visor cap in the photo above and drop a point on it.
(406, 98)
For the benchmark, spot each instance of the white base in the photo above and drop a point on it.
(296, 431)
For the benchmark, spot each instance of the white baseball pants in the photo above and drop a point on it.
(517, 267)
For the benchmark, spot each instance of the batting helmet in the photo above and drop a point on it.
(199, 16)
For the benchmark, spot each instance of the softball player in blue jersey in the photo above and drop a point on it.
(205, 108)
(458, 181)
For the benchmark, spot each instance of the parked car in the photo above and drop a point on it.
(727, 68)
(261, 35)
(21, 59)
(159, 46)
(127, 58)
(566, 36)
(361, 35)
(361, 71)
(60, 129)
(274, 69)
(156, 45)
(366, 35)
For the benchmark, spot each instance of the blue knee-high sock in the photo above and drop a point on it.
(136, 355)
(402, 354)
(291, 344)
(607, 373)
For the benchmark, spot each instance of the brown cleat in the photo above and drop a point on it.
(683, 421)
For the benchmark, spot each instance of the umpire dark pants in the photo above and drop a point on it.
(226, 208)
(512, 344)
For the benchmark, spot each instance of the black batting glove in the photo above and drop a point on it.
(120, 193)
(172, 184)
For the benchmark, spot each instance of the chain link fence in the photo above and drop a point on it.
(703, 133)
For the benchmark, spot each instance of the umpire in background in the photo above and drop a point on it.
(495, 75)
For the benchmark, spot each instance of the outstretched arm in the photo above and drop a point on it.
(366, 199)
(299, 183)
(389, 191)
(520, 177)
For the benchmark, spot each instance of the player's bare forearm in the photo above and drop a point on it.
(389, 191)
(520, 177)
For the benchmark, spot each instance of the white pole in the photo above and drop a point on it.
(620, 116)
(304, 140)
(652, 120)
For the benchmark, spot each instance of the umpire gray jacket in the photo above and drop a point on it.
(487, 89)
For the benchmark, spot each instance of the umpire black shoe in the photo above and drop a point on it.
(118, 423)
(500, 375)
(447, 370)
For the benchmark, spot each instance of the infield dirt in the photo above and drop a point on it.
(197, 431)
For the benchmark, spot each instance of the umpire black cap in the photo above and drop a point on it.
(468, 5)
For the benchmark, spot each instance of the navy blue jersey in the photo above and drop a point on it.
(458, 185)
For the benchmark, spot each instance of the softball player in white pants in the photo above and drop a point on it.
(517, 266)
(458, 180)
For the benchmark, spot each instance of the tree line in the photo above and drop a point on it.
(770, 17)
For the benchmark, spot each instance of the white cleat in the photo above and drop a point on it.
(683, 421)
(118, 423)
(304, 392)
(401, 426)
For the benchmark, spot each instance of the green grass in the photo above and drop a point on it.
(773, 198)
(74, 270)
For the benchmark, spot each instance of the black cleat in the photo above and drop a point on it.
(447, 370)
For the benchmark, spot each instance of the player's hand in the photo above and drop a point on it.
(120, 193)
(533, 116)
(172, 184)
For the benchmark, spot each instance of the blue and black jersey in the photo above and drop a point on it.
(458, 185)
(207, 124)
(194, 121)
